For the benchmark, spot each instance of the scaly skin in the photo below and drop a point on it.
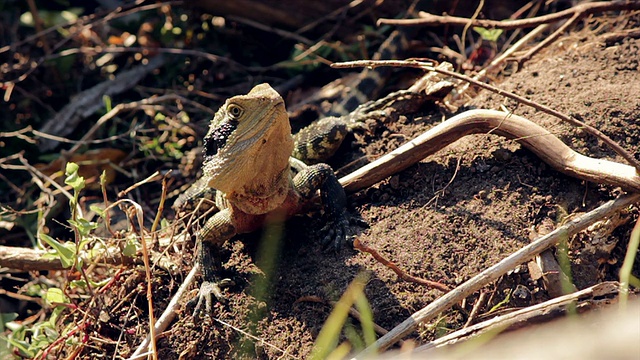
(246, 161)
(320, 140)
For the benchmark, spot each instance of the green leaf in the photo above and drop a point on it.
(488, 34)
(73, 179)
(14, 326)
(328, 337)
(55, 295)
(65, 253)
(366, 319)
(103, 178)
(106, 99)
(22, 346)
(53, 319)
(71, 168)
(131, 247)
(75, 284)
(183, 116)
(96, 208)
(5, 319)
(84, 226)
(100, 283)
(501, 303)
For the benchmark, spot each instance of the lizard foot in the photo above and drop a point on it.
(208, 290)
(337, 231)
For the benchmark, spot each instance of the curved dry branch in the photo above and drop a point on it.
(531, 135)
(580, 11)
(521, 99)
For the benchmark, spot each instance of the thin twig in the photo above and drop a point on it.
(476, 309)
(581, 10)
(168, 314)
(353, 4)
(401, 274)
(283, 33)
(547, 41)
(115, 111)
(37, 174)
(468, 25)
(147, 268)
(505, 55)
(612, 38)
(589, 295)
(90, 100)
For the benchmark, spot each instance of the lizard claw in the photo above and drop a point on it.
(337, 231)
(208, 290)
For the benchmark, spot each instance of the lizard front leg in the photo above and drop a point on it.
(334, 200)
(218, 229)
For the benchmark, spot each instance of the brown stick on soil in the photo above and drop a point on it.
(587, 298)
(401, 274)
(492, 273)
(581, 10)
(532, 136)
(427, 66)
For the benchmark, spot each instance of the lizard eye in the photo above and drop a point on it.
(235, 111)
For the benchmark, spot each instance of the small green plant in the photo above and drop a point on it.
(439, 326)
(163, 145)
(35, 341)
(326, 345)
(69, 252)
(491, 35)
(626, 278)
(30, 341)
(502, 303)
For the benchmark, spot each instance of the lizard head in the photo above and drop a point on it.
(249, 141)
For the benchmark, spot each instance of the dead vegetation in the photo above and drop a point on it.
(93, 262)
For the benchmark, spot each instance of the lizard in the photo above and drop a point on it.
(251, 176)
(248, 173)
(255, 171)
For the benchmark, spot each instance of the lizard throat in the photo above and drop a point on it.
(262, 198)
